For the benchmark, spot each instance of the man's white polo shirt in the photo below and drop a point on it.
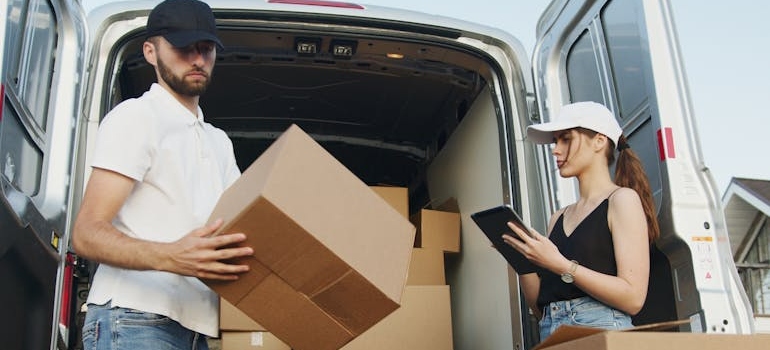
(181, 166)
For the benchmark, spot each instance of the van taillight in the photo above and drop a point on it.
(66, 295)
(346, 5)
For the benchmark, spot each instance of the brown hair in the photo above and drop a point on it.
(630, 173)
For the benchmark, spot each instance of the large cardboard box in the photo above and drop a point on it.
(330, 256)
(252, 341)
(424, 322)
(437, 229)
(427, 267)
(585, 338)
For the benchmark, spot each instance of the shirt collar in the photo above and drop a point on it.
(168, 99)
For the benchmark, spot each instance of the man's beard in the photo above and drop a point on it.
(179, 85)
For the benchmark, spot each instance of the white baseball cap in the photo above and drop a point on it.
(588, 115)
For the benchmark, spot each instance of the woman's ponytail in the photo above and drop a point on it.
(630, 173)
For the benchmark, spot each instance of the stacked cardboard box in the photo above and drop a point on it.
(437, 229)
(240, 332)
(396, 196)
(424, 320)
(330, 258)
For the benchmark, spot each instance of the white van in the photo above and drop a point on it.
(401, 98)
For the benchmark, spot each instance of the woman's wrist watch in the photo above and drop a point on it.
(569, 277)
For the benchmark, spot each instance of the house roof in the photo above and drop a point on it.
(745, 201)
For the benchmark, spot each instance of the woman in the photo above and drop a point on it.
(594, 265)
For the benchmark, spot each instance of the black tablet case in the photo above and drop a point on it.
(493, 222)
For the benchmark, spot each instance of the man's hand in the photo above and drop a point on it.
(199, 254)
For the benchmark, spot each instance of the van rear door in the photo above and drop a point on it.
(42, 66)
(625, 55)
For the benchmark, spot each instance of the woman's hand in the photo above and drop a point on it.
(537, 248)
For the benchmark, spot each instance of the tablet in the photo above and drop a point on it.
(497, 218)
(494, 223)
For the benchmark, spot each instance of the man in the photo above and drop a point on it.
(157, 172)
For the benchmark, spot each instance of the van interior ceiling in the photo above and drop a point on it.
(383, 112)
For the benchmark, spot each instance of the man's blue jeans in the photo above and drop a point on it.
(108, 328)
(585, 311)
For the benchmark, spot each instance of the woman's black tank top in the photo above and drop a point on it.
(590, 244)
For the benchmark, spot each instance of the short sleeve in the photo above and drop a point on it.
(230, 169)
(124, 141)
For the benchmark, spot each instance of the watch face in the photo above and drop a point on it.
(567, 278)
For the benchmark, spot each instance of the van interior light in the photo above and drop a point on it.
(396, 56)
(342, 48)
(307, 46)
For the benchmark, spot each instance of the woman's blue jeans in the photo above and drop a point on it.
(584, 311)
(108, 328)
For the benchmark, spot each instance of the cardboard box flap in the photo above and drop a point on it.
(567, 333)
(449, 205)
(437, 229)
(397, 197)
(287, 250)
(292, 317)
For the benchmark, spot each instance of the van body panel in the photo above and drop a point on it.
(42, 73)
(469, 169)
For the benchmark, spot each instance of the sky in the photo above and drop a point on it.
(726, 57)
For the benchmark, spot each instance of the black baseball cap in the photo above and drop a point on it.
(183, 22)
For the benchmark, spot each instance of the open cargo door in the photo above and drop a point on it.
(625, 54)
(43, 54)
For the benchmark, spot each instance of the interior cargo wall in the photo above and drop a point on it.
(468, 169)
